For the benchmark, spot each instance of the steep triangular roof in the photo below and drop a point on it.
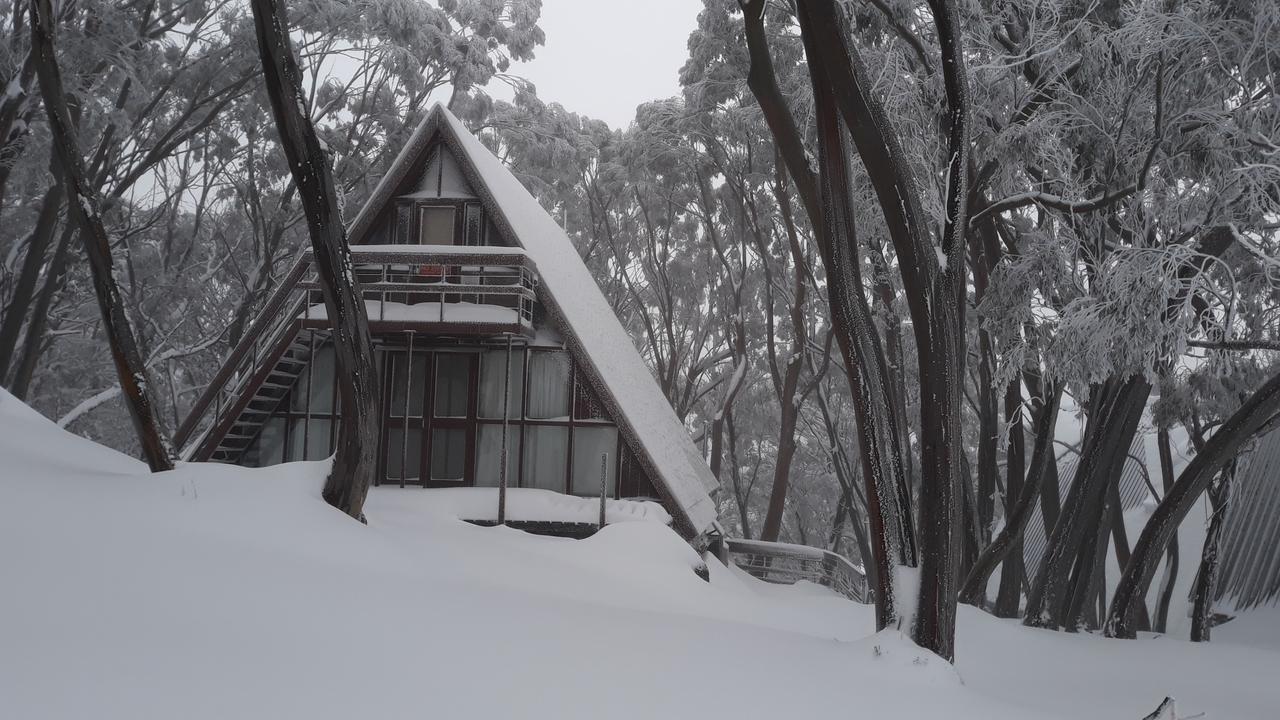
(579, 310)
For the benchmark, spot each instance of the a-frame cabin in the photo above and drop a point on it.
(477, 300)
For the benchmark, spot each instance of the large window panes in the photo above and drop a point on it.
(548, 385)
(493, 384)
(410, 387)
(321, 382)
(448, 455)
(589, 444)
(405, 452)
(489, 455)
(405, 390)
(310, 439)
(453, 384)
(435, 225)
(270, 444)
(546, 452)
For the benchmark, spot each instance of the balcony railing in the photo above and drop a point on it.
(788, 564)
(430, 289)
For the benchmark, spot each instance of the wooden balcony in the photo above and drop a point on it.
(437, 290)
(433, 290)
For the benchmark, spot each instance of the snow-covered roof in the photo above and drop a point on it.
(587, 321)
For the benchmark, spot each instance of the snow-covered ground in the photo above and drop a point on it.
(218, 592)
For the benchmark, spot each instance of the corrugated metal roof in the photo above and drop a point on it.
(1249, 555)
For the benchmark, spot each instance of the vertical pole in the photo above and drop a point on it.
(604, 476)
(502, 457)
(404, 427)
(306, 428)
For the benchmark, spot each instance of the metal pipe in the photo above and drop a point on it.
(604, 473)
(404, 425)
(502, 457)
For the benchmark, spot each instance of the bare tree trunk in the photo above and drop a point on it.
(33, 341)
(24, 290)
(83, 209)
(1042, 459)
(1171, 554)
(1066, 570)
(1221, 449)
(1202, 594)
(880, 448)
(355, 462)
(1009, 596)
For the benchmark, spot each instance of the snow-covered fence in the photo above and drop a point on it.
(787, 564)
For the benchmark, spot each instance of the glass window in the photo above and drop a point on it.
(493, 386)
(399, 451)
(475, 224)
(412, 386)
(453, 384)
(589, 443)
(322, 369)
(448, 454)
(309, 439)
(489, 455)
(404, 212)
(435, 225)
(298, 395)
(546, 450)
(268, 449)
(549, 385)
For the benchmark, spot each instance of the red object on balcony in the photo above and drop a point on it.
(431, 271)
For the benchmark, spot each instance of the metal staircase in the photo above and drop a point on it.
(271, 392)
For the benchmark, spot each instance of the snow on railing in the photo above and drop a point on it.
(787, 564)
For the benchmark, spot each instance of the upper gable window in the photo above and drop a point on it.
(436, 225)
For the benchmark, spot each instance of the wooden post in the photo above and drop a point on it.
(604, 476)
(502, 457)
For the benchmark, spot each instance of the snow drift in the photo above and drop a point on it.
(222, 592)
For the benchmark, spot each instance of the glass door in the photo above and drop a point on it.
(450, 457)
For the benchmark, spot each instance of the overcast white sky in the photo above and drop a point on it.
(604, 57)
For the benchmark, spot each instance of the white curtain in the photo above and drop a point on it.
(489, 454)
(548, 385)
(546, 455)
(492, 384)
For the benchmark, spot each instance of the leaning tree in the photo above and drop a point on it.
(355, 461)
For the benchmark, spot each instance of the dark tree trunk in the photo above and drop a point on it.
(1171, 554)
(83, 209)
(1009, 597)
(1221, 449)
(24, 290)
(772, 527)
(1065, 572)
(880, 450)
(1202, 593)
(880, 446)
(355, 461)
(1042, 460)
(33, 341)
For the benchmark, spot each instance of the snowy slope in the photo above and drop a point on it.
(220, 592)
